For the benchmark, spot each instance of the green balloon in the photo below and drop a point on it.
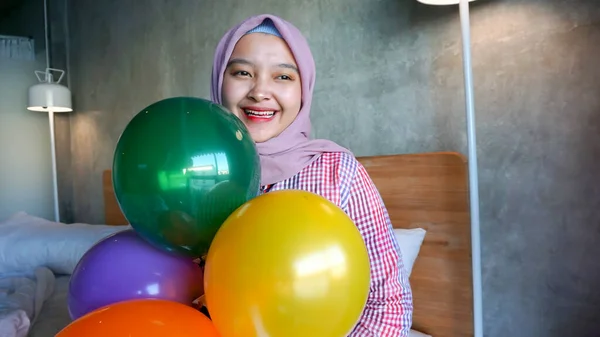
(180, 168)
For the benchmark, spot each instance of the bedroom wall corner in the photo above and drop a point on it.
(59, 51)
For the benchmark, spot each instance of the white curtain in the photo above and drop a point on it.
(15, 47)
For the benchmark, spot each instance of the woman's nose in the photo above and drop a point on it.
(260, 91)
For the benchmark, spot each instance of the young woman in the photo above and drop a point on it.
(264, 73)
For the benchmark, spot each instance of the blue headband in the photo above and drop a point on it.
(267, 27)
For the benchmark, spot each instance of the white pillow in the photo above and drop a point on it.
(410, 241)
(28, 242)
(414, 333)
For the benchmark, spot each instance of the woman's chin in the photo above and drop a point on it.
(260, 133)
(263, 131)
(260, 137)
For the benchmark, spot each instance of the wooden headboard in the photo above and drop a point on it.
(428, 191)
(431, 191)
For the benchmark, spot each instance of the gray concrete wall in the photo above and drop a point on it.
(390, 81)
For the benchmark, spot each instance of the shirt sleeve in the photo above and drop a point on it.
(389, 308)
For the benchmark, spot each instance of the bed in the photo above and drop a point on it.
(424, 193)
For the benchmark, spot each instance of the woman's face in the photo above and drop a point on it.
(261, 85)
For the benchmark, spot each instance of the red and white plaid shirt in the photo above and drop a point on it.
(341, 179)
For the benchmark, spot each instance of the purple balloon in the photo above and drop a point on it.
(123, 266)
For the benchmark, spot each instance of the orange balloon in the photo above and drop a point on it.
(142, 318)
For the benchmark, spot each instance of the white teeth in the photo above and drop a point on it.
(265, 114)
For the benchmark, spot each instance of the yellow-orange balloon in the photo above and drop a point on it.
(142, 318)
(287, 263)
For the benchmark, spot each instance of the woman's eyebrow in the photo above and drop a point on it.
(239, 61)
(289, 66)
(246, 62)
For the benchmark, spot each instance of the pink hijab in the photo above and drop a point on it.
(284, 156)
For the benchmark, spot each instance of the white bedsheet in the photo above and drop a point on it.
(55, 313)
(21, 300)
(32, 251)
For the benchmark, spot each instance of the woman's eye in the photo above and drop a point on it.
(241, 73)
(284, 77)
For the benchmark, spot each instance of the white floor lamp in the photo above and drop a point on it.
(49, 96)
(472, 149)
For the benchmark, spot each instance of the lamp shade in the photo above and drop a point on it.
(49, 97)
(441, 2)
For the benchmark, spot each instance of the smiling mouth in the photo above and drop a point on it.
(259, 115)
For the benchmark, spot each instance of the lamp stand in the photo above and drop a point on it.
(49, 96)
(54, 177)
(473, 176)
